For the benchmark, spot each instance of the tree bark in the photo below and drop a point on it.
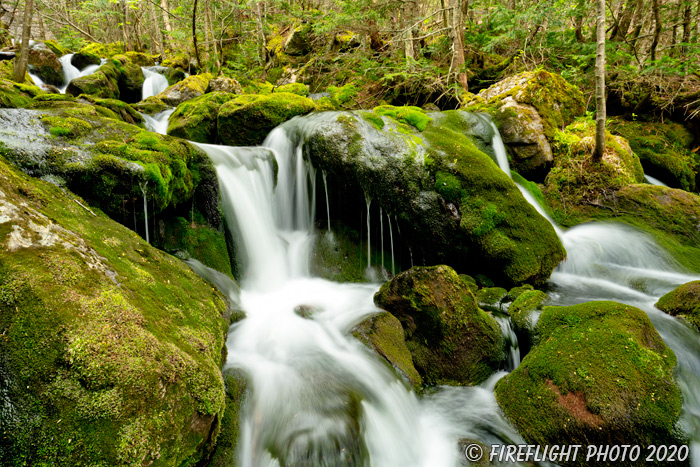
(165, 8)
(194, 35)
(457, 32)
(410, 15)
(622, 26)
(21, 66)
(656, 10)
(687, 19)
(599, 149)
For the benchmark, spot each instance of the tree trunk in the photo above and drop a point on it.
(261, 33)
(622, 27)
(600, 84)
(158, 32)
(194, 35)
(165, 8)
(213, 36)
(656, 9)
(687, 19)
(457, 32)
(410, 15)
(21, 66)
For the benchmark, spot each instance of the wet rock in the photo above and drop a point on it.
(44, 63)
(189, 88)
(683, 301)
(224, 84)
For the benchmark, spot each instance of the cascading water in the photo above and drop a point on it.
(654, 181)
(607, 261)
(158, 123)
(154, 82)
(70, 72)
(142, 185)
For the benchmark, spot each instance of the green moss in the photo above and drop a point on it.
(372, 118)
(103, 50)
(119, 109)
(225, 450)
(66, 127)
(56, 48)
(294, 88)
(383, 334)
(684, 301)
(246, 120)
(663, 149)
(195, 119)
(344, 94)
(14, 95)
(103, 83)
(532, 188)
(599, 372)
(491, 298)
(414, 116)
(437, 311)
(140, 59)
(150, 105)
(449, 187)
(111, 348)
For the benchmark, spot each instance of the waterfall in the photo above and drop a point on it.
(653, 180)
(154, 82)
(158, 123)
(70, 72)
(142, 185)
(511, 340)
(368, 200)
(381, 234)
(391, 239)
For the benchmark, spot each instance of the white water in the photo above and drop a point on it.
(70, 72)
(654, 181)
(328, 208)
(142, 185)
(609, 261)
(154, 82)
(368, 200)
(158, 123)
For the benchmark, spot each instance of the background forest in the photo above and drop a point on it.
(401, 51)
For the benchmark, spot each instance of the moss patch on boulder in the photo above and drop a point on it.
(189, 88)
(44, 63)
(196, 119)
(111, 349)
(247, 119)
(451, 339)
(683, 301)
(15, 95)
(150, 105)
(83, 59)
(598, 373)
(383, 334)
(103, 83)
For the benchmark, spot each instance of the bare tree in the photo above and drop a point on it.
(600, 84)
(21, 65)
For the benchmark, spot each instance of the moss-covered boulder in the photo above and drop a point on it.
(180, 61)
(298, 41)
(599, 373)
(664, 150)
(44, 63)
(224, 84)
(103, 50)
(247, 119)
(683, 301)
(452, 203)
(123, 111)
(525, 311)
(111, 349)
(130, 79)
(492, 298)
(451, 339)
(577, 179)
(15, 95)
(150, 105)
(294, 88)
(103, 83)
(189, 88)
(383, 334)
(225, 450)
(528, 109)
(196, 119)
(84, 58)
(140, 58)
(56, 48)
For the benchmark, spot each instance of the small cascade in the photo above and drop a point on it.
(143, 185)
(37, 81)
(391, 239)
(368, 199)
(154, 82)
(70, 72)
(506, 325)
(381, 234)
(654, 181)
(158, 123)
(328, 209)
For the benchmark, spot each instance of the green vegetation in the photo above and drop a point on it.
(195, 119)
(599, 372)
(683, 301)
(436, 311)
(413, 116)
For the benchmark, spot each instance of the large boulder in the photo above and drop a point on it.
(452, 203)
(683, 301)
(247, 119)
(130, 79)
(451, 339)
(528, 109)
(599, 373)
(82, 59)
(44, 63)
(102, 83)
(664, 149)
(224, 84)
(196, 119)
(189, 88)
(111, 350)
(15, 95)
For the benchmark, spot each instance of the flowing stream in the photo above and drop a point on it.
(319, 397)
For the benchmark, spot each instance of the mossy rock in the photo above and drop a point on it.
(83, 59)
(524, 312)
(150, 106)
(111, 349)
(180, 61)
(576, 178)
(174, 75)
(343, 96)
(556, 101)
(103, 50)
(103, 83)
(599, 373)
(384, 335)
(451, 339)
(225, 452)
(247, 119)
(123, 111)
(414, 116)
(199, 240)
(15, 95)
(139, 58)
(492, 298)
(224, 84)
(44, 63)
(196, 119)
(189, 88)
(683, 301)
(441, 186)
(130, 79)
(299, 89)
(664, 149)
(56, 48)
